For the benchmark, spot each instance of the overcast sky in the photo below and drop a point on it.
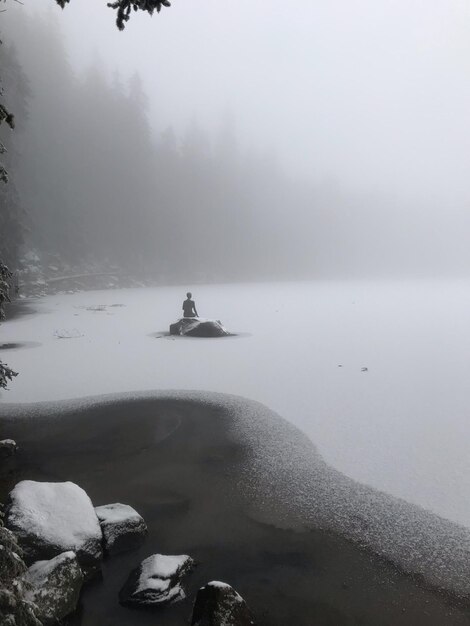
(373, 94)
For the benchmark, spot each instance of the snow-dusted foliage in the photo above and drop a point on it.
(15, 607)
(6, 373)
(54, 586)
(5, 277)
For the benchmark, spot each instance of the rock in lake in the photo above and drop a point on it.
(51, 518)
(8, 447)
(156, 581)
(54, 586)
(218, 603)
(123, 528)
(198, 327)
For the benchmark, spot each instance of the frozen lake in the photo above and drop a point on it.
(402, 425)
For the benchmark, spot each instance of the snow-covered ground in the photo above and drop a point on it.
(402, 425)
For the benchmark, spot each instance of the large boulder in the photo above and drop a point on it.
(54, 587)
(198, 327)
(123, 528)
(51, 518)
(156, 581)
(218, 603)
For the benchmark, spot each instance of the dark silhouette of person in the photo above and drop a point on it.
(189, 306)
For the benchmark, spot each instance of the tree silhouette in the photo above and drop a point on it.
(125, 7)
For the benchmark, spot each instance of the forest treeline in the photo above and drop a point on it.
(95, 183)
(90, 180)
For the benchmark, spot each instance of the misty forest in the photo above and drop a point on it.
(234, 304)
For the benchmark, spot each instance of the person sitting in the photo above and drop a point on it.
(189, 306)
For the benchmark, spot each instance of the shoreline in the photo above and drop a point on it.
(231, 483)
(19, 307)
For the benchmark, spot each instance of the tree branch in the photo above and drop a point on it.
(124, 8)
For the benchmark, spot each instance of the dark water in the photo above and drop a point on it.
(174, 462)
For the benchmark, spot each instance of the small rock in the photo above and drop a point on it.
(218, 603)
(156, 581)
(123, 528)
(51, 518)
(8, 447)
(54, 586)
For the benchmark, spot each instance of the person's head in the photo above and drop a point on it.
(189, 295)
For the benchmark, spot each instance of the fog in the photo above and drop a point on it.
(244, 140)
(300, 169)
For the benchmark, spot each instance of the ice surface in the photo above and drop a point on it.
(401, 426)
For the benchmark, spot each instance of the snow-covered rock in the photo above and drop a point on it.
(54, 586)
(123, 528)
(51, 518)
(198, 327)
(8, 447)
(218, 603)
(157, 580)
